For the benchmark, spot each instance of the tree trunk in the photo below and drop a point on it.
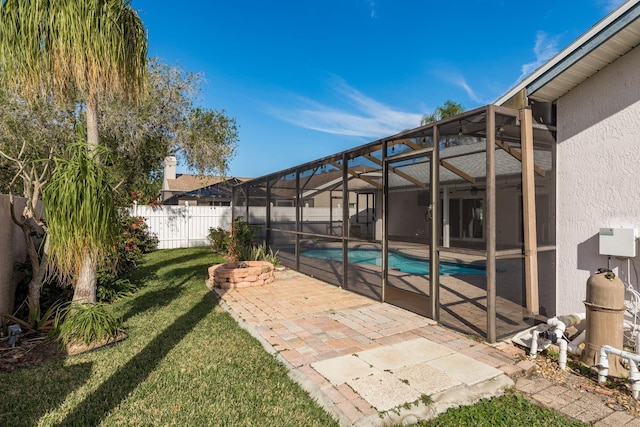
(92, 122)
(35, 284)
(38, 265)
(35, 288)
(85, 289)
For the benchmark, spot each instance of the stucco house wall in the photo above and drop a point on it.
(12, 249)
(598, 175)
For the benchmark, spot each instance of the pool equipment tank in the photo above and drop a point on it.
(605, 317)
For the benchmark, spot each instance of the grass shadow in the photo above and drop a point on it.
(51, 384)
(114, 390)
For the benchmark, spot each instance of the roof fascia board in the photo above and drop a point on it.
(573, 47)
(584, 50)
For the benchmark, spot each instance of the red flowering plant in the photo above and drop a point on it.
(135, 240)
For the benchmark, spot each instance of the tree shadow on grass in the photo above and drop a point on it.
(151, 300)
(114, 390)
(173, 283)
(147, 268)
(45, 388)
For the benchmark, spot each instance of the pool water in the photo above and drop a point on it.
(397, 261)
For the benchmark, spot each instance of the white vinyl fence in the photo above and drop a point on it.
(183, 226)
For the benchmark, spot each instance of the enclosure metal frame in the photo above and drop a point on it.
(528, 129)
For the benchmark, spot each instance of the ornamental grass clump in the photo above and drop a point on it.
(261, 253)
(86, 324)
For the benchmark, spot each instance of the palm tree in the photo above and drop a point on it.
(448, 108)
(78, 50)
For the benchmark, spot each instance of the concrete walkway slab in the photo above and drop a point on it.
(465, 369)
(343, 369)
(403, 354)
(384, 391)
(426, 379)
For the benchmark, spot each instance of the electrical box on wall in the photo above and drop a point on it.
(618, 242)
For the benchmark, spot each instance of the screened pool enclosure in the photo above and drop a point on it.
(467, 203)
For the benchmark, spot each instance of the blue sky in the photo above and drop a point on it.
(308, 78)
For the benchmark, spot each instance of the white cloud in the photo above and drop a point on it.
(460, 81)
(361, 116)
(450, 75)
(372, 6)
(545, 48)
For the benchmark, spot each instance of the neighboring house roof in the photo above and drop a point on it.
(187, 182)
(609, 39)
(219, 189)
(223, 188)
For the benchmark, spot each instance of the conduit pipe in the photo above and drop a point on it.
(634, 374)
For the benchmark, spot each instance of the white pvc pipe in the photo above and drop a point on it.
(572, 347)
(635, 332)
(562, 357)
(533, 352)
(634, 379)
(603, 365)
(560, 323)
(633, 358)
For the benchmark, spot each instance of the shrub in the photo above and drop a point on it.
(241, 240)
(239, 243)
(219, 239)
(135, 240)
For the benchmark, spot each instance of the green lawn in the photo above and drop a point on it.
(187, 363)
(510, 410)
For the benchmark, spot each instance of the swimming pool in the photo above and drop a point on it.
(397, 261)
